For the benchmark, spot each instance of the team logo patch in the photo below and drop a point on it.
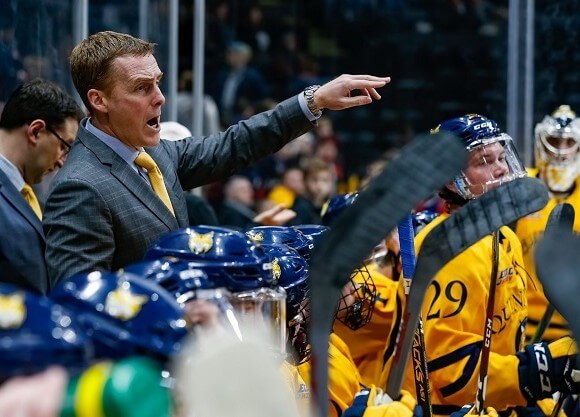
(200, 243)
(276, 270)
(12, 311)
(255, 237)
(505, 275)
(123, 304)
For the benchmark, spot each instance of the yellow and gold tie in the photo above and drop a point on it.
(156, 178)
(31, 199)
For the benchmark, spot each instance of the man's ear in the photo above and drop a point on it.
(33, 129)
(98, 100)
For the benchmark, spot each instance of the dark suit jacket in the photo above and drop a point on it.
(101, 214)
(21, 241)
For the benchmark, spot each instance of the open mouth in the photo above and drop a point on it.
(153, 122)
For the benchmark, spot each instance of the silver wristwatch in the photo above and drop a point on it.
(309, 96)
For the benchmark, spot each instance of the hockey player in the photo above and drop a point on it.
(455, 304)
(557, 146)
(344, 379)
(372, 344)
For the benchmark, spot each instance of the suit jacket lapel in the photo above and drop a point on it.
(129, 178)
(16, 200)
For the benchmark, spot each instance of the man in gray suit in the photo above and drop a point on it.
(103, 210)
(37, 126)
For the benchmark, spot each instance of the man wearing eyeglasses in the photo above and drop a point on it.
(37, 127)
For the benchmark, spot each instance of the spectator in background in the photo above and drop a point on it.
(327, 146)
(237, 209)
(290, 186)
(239, 85)
(185, 105)
(320, 182)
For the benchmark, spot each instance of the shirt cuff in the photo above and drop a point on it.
(306, 110)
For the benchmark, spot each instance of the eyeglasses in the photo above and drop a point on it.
(64, 145)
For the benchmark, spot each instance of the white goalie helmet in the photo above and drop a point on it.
(557, 149)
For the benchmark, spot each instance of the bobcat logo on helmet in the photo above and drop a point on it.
(12, 311)
(276, 270)
(435, 130)
(255, 237)
(200, 243)
(123, 304)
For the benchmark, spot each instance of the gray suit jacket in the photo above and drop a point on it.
(100, 214)
(21, 241)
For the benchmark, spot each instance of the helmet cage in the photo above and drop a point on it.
(357, 301)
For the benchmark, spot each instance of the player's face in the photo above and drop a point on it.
(132, 103)
(562, 149)
(487, 165)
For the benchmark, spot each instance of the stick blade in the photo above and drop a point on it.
(561, 218)
(558, 269)
(477, 219)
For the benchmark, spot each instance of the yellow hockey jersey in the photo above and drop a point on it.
(454, 317)
(367, 345)
(343, 378)
(529, 230)
(298, 386)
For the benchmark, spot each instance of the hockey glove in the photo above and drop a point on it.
(469, 409)
(548, 368)
(372, 402)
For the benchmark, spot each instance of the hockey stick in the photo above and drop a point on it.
(472, 222)
(487, 330)
(557, 268)
(416, 173)
(561, 218)
(421, 374)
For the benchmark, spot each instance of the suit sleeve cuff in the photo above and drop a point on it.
(306, 110)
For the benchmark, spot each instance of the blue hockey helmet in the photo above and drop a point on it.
(422, 219)
(123, 314)
(312, 231)
(178, 277)
(493, 159)
(336, 205)
(227, 256)
(36, 333)
(282, 235)
(291, 272)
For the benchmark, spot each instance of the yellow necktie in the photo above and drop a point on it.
(31, 199)
(156, 178)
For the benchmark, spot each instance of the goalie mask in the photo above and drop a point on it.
(36, 333)
(123, 314)
(493, 159)
(557, 146)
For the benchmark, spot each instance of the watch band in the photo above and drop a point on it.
(309, 96)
